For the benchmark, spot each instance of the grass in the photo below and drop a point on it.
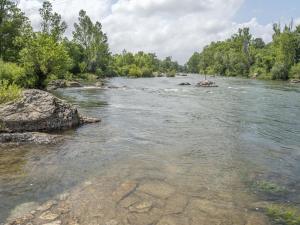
(9, 92)
(283, 215)
(268, 187)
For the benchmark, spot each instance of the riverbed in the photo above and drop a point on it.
(193, 155)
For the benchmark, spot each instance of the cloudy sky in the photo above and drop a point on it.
(171, 27)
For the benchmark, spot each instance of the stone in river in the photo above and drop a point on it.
(56, 222)
(38, 110)
(48, 215)
(129, 201)
(47, 205)
(124, 190)
(22, 209)
(176, 204)
(157, 189)
(173, 220)
(141, 207)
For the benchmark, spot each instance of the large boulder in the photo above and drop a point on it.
(39, 111)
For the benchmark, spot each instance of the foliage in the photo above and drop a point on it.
(279, 72)
(244, 55)
(13, 26)
(295, 71)
(44, 58)
(11, 72)
(9, 92)
(93, 41)
(51, 22)
(141, 64)
(283, 216)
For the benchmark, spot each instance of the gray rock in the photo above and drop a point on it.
(73, 84)
(55, 84)
(184, 83)
(48, 215)
(206, 83)
(39, 111)
(141, 207)
(295, 81)
(30, 137)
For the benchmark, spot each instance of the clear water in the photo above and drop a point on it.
(205, 143)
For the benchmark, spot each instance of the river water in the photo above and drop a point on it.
(202, 149)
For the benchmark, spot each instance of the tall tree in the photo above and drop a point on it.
(13, 25)
(52, 23)
(94, 42)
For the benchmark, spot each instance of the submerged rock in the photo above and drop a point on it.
(206, 83)
(295, 81)
(184, 83)
(157, 189)
(124, 190)
(30, 137)
(39, 111)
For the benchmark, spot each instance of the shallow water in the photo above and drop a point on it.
(207, 144)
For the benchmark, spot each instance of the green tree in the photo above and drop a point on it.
(43, 58)
(52, 23)
(13, 26)
(93, 41)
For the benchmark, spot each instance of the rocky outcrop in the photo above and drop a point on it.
(38, 111)
(30, 137)
(206, 83)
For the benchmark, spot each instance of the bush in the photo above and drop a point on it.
(171, 73)
(295, 71)
(147, 72)
(134, 71)
(13, 73)
(279, 72)
(9, 92)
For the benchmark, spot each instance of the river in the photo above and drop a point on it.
(192, 143)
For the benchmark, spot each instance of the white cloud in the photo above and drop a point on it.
(166, 27)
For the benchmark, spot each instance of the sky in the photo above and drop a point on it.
(174, 28)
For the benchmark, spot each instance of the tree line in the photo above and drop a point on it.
(247, 56)
(32, 59)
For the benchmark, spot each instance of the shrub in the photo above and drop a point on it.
(9, 92)
(295, 71)
(279, 72)
(13, 73)
(134, 71)
(147, 72)
(171, 73)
